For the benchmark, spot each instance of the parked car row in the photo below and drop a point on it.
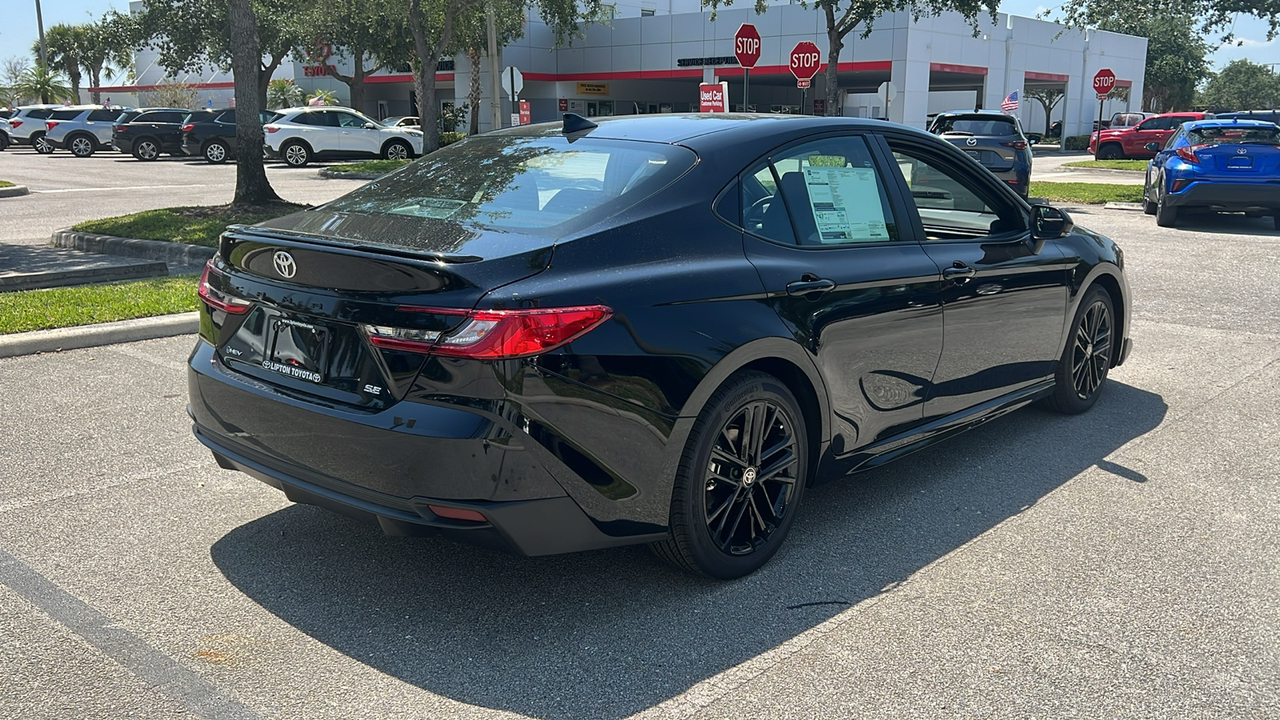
(295, 135)
(1130, 141)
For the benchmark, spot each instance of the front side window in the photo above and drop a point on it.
(820, 193)
(348, 120)
(951, 203)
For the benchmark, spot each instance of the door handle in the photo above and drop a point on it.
(810, 284)
(959, 271)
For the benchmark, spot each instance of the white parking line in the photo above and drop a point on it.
(130, 187)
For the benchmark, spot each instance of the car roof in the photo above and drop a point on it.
(677, 128)
(984, 112)
(1229, 122)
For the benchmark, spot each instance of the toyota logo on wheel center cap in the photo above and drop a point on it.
(285, 264)
(749, 476)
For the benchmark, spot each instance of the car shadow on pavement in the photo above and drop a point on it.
(610, 633)
(1226, 224)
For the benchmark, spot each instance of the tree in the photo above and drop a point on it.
(11, 72)
(190, 35)
(360, 30)
(42, 83)
(1176, 53)
(106, 43)
(472, 39)
(1243, 85)
(1048, 97)
(1212, 16)
(64, 46)
(169, 93)
(283, 93)
(252, 186)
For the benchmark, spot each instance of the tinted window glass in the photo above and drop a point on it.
(104, 115)
(1160, 123)
(976, 125)
(1227, 135)
(39, 113)
(312, 118)
(950, 203)
(127, 116)
(348, 120)
(160, 116)
(825, 192)
(522, 183)
(65, 114)
(229, 117)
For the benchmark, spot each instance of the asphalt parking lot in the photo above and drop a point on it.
(1120, 564)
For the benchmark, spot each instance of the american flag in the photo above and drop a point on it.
(1010, 103)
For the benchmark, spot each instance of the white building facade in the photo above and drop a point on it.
(652, 56)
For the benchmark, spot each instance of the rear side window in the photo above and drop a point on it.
(229, 117)
(65, 114)
(39, 113)
(824, 192)
(104, 115)
(527, 184)
(322, 118)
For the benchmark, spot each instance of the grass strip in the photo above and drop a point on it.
(190, 225)
(370, 166)
(88, 304)
(5, 183)
(1086, 193)
(1136, 165)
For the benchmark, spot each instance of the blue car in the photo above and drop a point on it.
(1215, 165)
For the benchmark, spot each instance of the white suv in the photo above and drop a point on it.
(302, 134)
(28, 126)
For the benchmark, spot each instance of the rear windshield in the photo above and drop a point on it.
(976, 125)
(1234, 135)
(532, 185)
(65, 114)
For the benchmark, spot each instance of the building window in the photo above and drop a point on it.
(646, 12)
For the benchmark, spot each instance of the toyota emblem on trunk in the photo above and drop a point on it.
(1242, 151)
(285, 264)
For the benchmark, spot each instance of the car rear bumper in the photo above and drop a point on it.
(391, 467)
(1227, 196)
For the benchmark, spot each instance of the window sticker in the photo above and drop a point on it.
(846, 204)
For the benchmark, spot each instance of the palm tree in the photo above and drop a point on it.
(65, 45)
(41, 82)
(105, 44)
(283, 93)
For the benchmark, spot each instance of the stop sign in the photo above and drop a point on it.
(1104, 82)
(805, 60)
(746, 45)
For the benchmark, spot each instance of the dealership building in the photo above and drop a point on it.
(653, 56)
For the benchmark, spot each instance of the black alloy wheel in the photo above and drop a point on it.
(1082, 370)
(215, 152)
(1110, 151)
(740, 481)
(42, 146)
(397, 150)
(81, 146)
(146, 149)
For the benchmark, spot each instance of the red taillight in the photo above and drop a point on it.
(15, 123)
(121, 129)
(1016, 144)
(1189, 154)
(457, 513)
(217, 299)
(50, 124)
(1180, 184)
(494, 334)
(270, 128)
(188, 127)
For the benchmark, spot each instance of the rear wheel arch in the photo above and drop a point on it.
(1111, 285)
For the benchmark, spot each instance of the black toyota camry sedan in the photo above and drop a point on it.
(656, 329)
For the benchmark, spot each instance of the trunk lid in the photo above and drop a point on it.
(1247, 159)
(325, 287)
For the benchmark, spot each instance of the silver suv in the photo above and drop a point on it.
(6, 131)
(28, 126)
(994, 139)
(83, 129)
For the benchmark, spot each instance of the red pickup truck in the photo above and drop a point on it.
(1129, 142)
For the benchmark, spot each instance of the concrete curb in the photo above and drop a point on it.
(1111, 171)
(170, 253)
(14, 191)
(1136, 207)
(42, 341)
(327, 173)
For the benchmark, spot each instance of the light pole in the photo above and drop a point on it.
(44, 55)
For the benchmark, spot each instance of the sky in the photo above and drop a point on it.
(19, 29)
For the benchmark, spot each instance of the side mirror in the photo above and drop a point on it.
(1152, 147)
(370, 126)
(1048, 223)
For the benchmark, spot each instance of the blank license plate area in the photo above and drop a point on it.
(297, 349)
(1240, 162)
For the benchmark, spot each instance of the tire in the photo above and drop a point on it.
(397, 150)
(1110, 151)
(1148, 207)
(1166, 214)
(215, 152)
(724, 489)
(81, 146)
(1082, 369)
(146, 149)
(41, 145)
(296, 153)
(4, 142)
